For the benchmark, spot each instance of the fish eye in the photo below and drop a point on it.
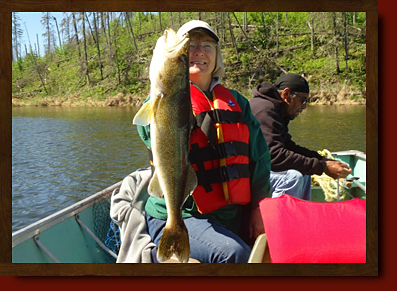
(183, 58)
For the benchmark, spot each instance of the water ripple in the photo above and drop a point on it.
(62, 155)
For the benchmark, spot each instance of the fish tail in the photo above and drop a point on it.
(174, 240)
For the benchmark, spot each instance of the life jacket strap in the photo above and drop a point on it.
(222, 174)
(220, 151)
(221, 116)
(206, 121)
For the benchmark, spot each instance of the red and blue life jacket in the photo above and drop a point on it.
(219, 150)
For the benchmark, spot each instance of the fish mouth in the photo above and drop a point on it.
(176, 45)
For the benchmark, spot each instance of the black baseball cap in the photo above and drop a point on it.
(295, 82)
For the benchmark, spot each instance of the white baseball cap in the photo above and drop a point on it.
(194, 24)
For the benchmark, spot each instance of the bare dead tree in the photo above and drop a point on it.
(17, 33)
(34, 60)
(264, 29)
(59, 36)
(38, 45)
(346, 38)
(85, 50)
(89, 27)
(245, 20)
(311, 25)
(223, 26)
(49, 34)
(252, 45)
(97, 43)
(139, 18)
(103, 24)
(336, 44)
(132, 33)
(232, 37)
(76, 33)
(116, 58)
(277, 32)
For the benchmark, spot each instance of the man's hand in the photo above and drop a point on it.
(256, 224)
(337, 170)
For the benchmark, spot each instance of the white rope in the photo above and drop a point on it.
(328, 184)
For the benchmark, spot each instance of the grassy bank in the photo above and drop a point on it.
(75, 100)
(107, 63)
(344, 95)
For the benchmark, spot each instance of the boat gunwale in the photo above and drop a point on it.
(356, 153)
(47, 222)
(41, 225)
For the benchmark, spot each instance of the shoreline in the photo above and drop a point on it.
(121, 100)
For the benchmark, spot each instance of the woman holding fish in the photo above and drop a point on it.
(210, 167)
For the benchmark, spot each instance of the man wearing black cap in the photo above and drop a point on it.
(274, 105)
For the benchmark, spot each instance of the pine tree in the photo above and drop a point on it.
(49, 32)
(17, 33)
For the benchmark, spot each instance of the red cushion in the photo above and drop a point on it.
(300, 231)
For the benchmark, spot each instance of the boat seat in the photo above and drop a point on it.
(299, 231)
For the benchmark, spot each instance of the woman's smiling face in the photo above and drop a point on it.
(202, 57)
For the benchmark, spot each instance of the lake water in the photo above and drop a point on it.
(61, 155)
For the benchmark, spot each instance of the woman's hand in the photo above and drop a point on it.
(256, 224)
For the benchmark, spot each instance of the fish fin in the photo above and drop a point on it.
(144, 115)
(154, 188)
(191, 182)
(174, 240)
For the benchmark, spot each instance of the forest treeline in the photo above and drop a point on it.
(93, 58)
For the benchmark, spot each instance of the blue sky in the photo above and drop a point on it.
(34, 26)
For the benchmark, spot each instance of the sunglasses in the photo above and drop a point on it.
(303, 99)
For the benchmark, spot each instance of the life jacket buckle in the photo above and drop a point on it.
(229, 173)
(227, 149)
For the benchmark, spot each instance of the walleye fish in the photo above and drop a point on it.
(169, 113)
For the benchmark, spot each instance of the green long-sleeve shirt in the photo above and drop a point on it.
(259, 163)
